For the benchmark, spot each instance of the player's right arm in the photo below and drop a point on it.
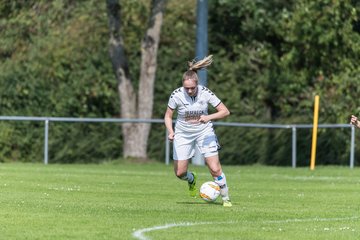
(168, 123)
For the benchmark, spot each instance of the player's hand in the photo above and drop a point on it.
(171, 137)
(204, 119)
(354, 121)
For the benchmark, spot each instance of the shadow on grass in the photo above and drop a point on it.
(200, 203)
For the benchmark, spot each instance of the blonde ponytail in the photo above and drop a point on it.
(191, 73)
(205, 62)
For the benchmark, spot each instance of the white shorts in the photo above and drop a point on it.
(185, 143)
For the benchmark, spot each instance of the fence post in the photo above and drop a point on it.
(46, 141)
(352, 147)
(294, 146)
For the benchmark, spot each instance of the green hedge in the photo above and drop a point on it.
(271, 59)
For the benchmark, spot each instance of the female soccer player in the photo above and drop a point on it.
(194, 129)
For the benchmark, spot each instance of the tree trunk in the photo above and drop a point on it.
(135, 135)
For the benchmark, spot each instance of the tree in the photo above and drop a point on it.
(134, 105)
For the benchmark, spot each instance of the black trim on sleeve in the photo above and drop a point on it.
(171, 108)
(218, 104)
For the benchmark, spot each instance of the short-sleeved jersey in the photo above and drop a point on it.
(189, 109)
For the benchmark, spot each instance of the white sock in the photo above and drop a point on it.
(224, 190)
(188, 177)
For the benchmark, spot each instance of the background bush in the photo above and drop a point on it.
(271, 59)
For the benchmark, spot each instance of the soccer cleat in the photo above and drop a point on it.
(227, 203)
(192, 186)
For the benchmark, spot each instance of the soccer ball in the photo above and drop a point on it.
(209, 191)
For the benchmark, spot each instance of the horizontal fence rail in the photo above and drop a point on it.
(293, 128)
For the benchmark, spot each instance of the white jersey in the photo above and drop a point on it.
(189, 109)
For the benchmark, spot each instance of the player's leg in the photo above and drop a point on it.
(216, 172)
(208, 145)
(181, 171)
(183, 151)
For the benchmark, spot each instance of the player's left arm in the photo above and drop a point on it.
(221, 112)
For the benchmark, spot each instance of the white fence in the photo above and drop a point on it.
(293, 128)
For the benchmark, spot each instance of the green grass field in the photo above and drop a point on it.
(146, 201)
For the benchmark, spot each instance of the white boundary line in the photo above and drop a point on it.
(139, 234)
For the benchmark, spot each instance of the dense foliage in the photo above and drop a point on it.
(271, 59)
(275, 56)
